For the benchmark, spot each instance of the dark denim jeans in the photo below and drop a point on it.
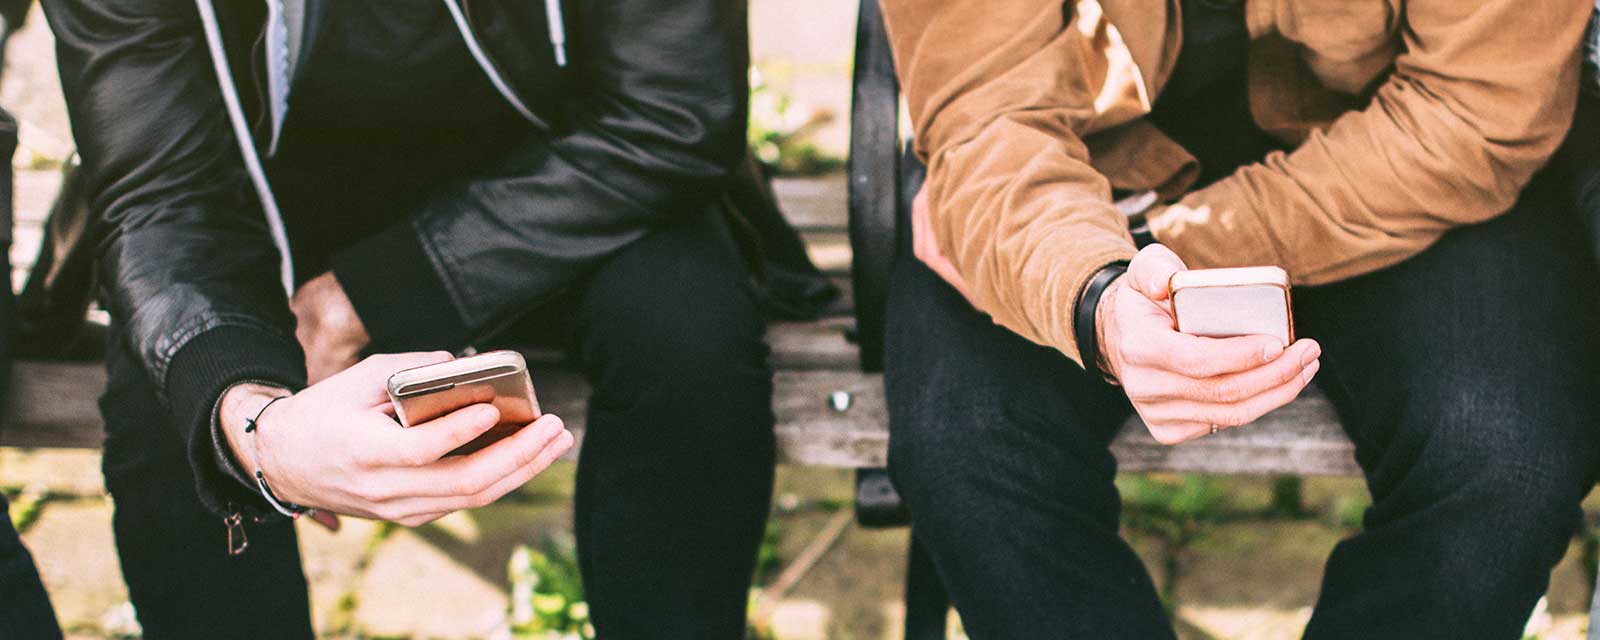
(25, 610)
(673, 483)
(1466, 377)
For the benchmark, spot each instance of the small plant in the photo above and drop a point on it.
(547, 593)
(768, 559)
(1350, 509)
(780, 133)
(26, 507)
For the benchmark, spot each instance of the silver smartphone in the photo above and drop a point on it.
(500, 378)
(1223, 303)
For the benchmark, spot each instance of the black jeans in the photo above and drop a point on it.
(1466, 377)
(25, 610)
(674, 478)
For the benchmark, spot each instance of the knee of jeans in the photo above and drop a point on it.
(939, 445)
(1525, 461)
(693, 391)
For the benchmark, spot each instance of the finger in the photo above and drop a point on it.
(1177, 432)
(1154, 385)
(536, 445)
(328, 519)
(1151, 271)
(424, 443)
(552, 452)
(1233, 414)
(487, 474)
(1195, 356)
(421, 520)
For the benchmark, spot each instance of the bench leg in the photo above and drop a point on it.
(927, 604)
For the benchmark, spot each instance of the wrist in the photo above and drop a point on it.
(1087, 323)
(240, 404)
(1103, 326)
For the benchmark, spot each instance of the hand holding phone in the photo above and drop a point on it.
(1185, 386)
(334, 446)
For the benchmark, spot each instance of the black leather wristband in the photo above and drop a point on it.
(1083, 322)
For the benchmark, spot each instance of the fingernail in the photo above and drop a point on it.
(1271, 350)
(1312, 352)
(1311, 370)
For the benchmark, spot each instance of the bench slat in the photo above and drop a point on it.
(54, 405)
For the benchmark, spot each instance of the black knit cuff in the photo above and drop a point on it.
(1083, 324)
(200, 372)
(402, 301)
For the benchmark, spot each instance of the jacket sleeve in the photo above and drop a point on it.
(189, 271)
(999, 114)
(1480, 97)
(660, 124)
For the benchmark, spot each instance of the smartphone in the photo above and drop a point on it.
(1223, 303)
(500, 378)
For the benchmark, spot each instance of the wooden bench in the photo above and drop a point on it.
(54, 404)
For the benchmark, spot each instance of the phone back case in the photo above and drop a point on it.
(1223, 303)
(498, 377)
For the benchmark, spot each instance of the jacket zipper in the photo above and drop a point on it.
(237, 541)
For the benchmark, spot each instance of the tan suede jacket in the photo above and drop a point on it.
(1407, 117)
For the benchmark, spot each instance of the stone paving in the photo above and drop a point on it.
(1250, 579)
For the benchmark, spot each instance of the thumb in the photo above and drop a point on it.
(1151, 271)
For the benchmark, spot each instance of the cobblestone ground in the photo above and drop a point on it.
(1245, 575)
(1238, 577)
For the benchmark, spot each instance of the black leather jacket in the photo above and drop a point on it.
(650, 121)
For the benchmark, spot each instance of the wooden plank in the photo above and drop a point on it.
(54, 405)
(813, 203)
(813, 345)
(795, 345)
(829, 250)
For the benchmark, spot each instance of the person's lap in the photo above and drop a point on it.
(1465, 376)
(675, 474)
(672, 343)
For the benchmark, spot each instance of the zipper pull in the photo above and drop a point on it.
(558, 31)
(237, 542)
